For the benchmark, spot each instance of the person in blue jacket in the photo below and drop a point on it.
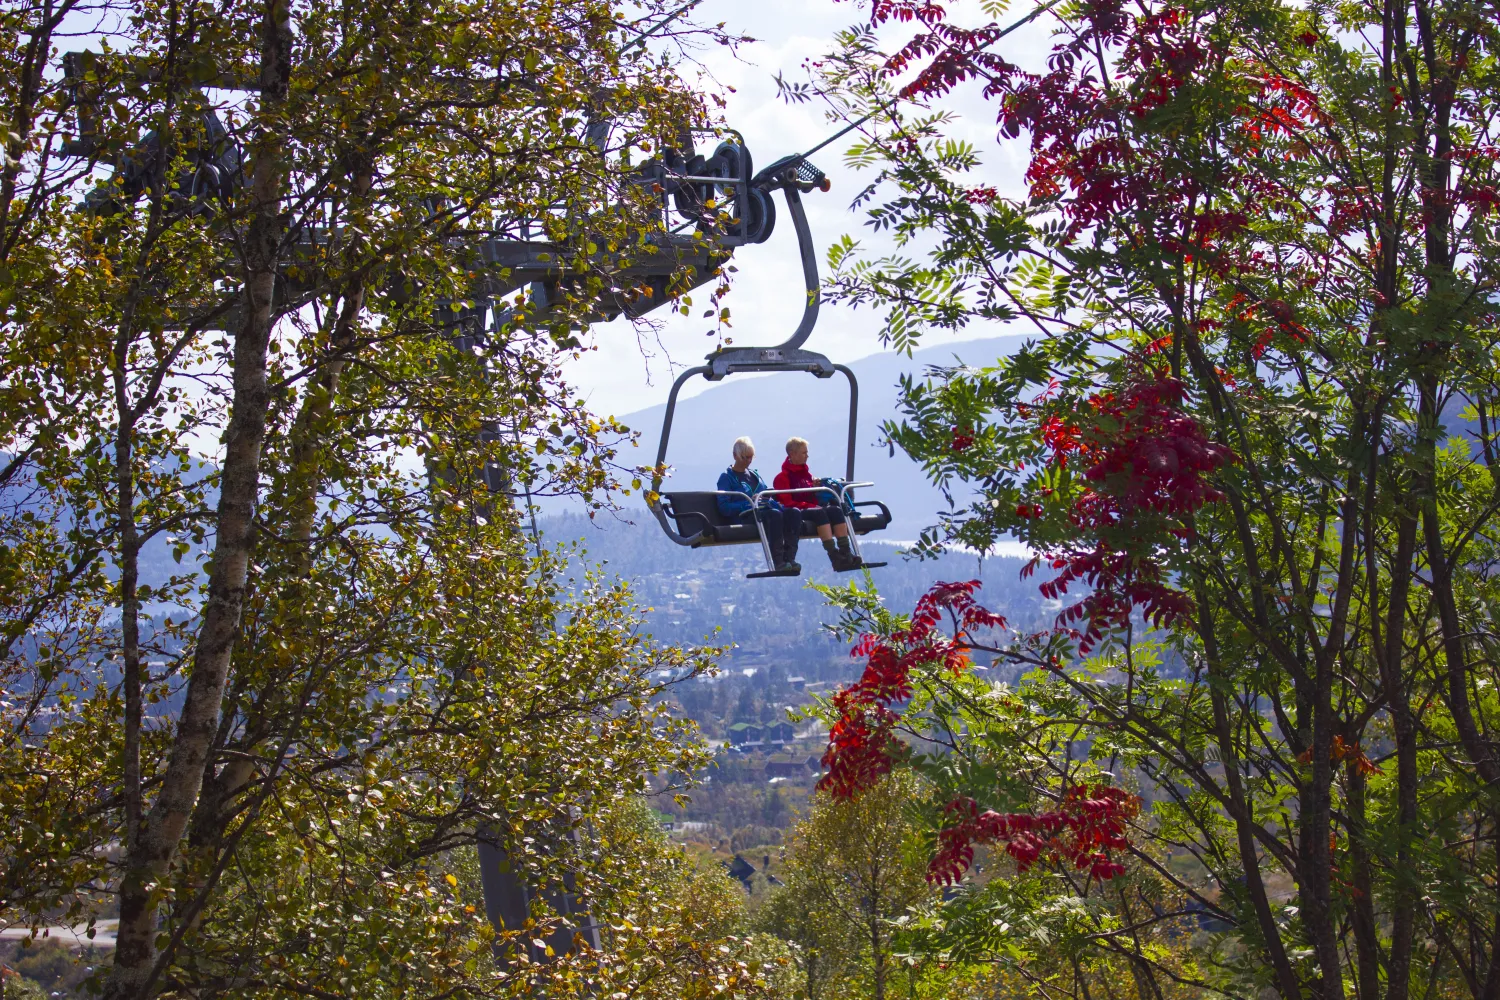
(783, 525)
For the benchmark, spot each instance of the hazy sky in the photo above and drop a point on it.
(765, 304)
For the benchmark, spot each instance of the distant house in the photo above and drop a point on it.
(814, 764)
(741, 870)
(744, 732)
(797, 683)
(785, 768)
(779, 732)
(683, 826)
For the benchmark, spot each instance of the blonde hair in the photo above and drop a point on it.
(793, 444)
(743, 446)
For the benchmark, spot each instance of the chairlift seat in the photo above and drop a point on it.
(696, 512)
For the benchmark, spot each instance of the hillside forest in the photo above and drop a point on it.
(299, 697)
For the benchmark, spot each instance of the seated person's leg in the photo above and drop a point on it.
(770, 520)
(791, 532)
(827, 519)
(840, 519)
(775, 534)
(819, 517)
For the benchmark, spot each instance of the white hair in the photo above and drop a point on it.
(795, 444)
(742, 447)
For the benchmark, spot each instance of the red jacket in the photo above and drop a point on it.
(796, 477)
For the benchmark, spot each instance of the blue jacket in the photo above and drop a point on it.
(750, 483)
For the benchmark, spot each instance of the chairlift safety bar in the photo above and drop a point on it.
(843, 499)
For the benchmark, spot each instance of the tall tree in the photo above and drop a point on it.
(854, 868)
(1253, 442)
(270, 621)
(684, 913)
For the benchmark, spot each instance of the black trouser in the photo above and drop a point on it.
(783, 529)
(831, 515)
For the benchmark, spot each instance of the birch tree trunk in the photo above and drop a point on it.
(134, 974)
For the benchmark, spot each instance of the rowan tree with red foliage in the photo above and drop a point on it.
(1251, 443)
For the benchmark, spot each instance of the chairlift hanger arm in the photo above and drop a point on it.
(809, 272)
(794, 175)
(661, 457)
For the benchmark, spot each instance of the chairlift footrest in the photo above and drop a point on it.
(863, 565)
(773, 572)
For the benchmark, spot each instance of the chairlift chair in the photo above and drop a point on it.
(692, 517)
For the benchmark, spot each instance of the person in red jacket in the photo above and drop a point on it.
(820, 509)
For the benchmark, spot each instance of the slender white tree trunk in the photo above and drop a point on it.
(134, 974)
